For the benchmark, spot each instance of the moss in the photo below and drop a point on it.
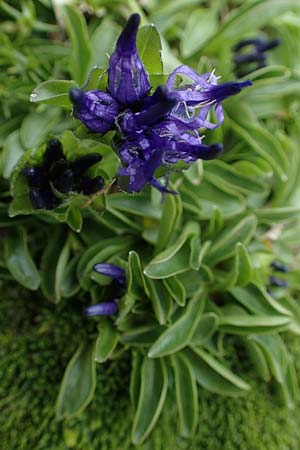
(37, 340)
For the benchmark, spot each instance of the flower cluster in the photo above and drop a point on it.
(152, 130)
(57, 174)
(118, 276)
(255, 56)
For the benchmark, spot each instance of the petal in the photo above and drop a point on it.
(97, 110)
(102, 309)
(127, 78)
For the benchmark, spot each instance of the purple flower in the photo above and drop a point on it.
(153, 130)
(102, 309)
(110, 270)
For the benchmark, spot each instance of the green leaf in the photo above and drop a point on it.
(54, 92)
(244, 265)
(176, 289)
(50, 258)
(224, 246)
(245, 324)
(149, 48)
(153, 392)
(206, 327)
(106, 341)
(81, 47)
(78, 384)
(60, 269)
(250, 16)
(213, 375)
(135, 378)
(201, 25)
(186, 395)
(12, 151)
(258, 359)
(36, 126)
(171, 216)
(175, 259)
(141, 336)
(103, 41)
(179, 334)
(18, 259)
(257, 300)
(161, 300)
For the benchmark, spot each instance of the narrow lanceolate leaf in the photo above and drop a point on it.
(54, 92)
(224, 246)
(149, 48)
(78, 384)
(176, 258)
(135, 378)
(245, 324)
(106, 341)
(213, 375)
(18, 259)
(81, 48)
(180, 333)
(172, 211)
(206, 327)
(153, 391)
(186, 395)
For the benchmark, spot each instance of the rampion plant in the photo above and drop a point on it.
(205, 252)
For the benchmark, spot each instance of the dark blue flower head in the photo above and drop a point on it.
(102, 309)
(153, 130)
(128, 81)
(112, 271)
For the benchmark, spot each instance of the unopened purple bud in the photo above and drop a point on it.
(110, 270)
(250, 57)
(127, 78)
(102, 309)
(53, 153)
(41, 199)
(35, 176)
(97, 110)
(277, 282)
(276, 265)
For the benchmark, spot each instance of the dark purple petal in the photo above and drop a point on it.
(97, 110)
(110, 270)
(212, 94)
(127, 78)
(102, 309)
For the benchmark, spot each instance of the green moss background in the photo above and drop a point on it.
(37, 341)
